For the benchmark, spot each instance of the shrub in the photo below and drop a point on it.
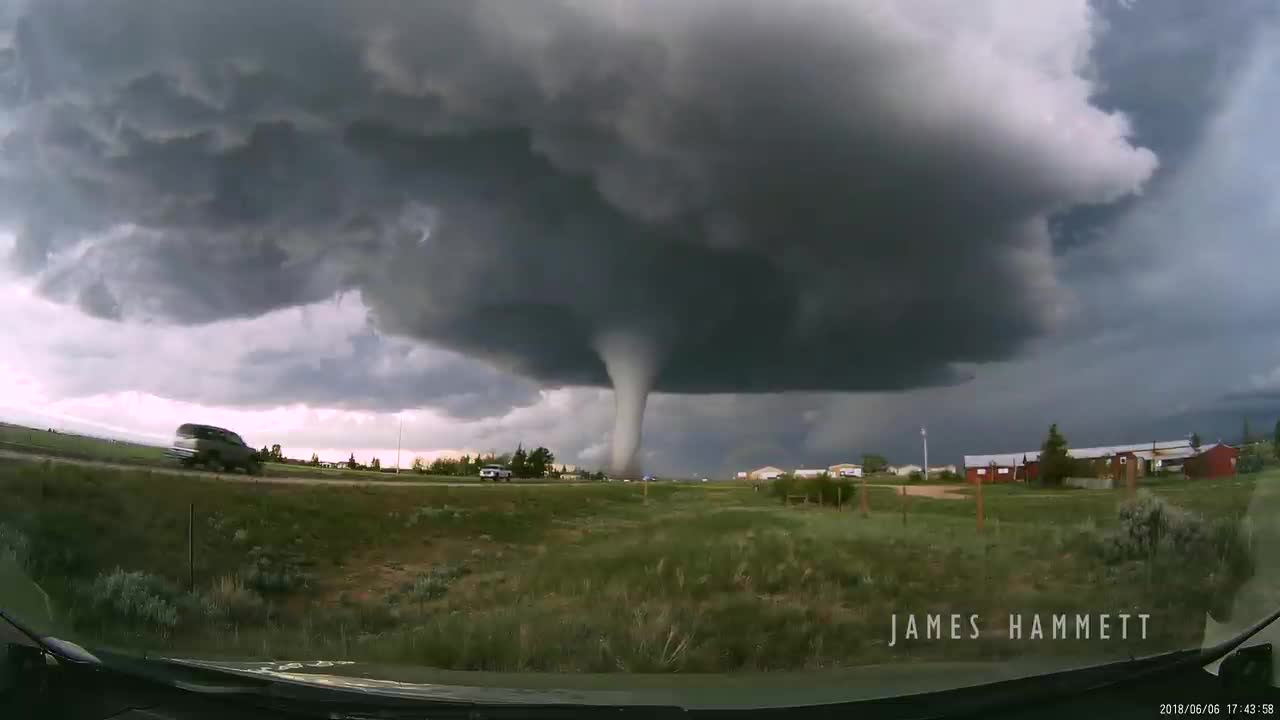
(133, 598)
(1252, 458)
(231, 601)
(273, 572)
(433, 584)
(823, 488)
(1151, 527)
(915, 477)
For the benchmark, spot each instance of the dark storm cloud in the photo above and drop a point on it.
(761, 193)
(376, 375)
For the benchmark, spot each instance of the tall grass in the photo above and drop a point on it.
(602, 578)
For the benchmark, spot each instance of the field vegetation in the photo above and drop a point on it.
(607, 577)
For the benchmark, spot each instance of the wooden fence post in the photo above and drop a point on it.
(904, 505)
(978, 495)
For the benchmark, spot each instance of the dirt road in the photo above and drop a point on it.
(938, 492)
(259, 479)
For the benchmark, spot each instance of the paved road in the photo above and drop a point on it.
(274, 480)
(938, 492)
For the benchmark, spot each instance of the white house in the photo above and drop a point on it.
(767, 472)
(809, 472)
(742, 475)
(845, 470)
(940, 469)
(904, 469)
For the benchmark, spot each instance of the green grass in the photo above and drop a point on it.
(32, 440)
(592, 577)
(81, 447)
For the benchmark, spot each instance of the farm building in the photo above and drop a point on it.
(940, 469)
(1216, 460)
(845, 470)
(1112, 460)
(810, 472)
(904, 469)
(767, 472)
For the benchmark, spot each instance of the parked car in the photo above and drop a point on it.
(497, 473)
(214, 447)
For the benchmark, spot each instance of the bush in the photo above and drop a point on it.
(1252, 458)
(231, 601)
(272, 572)
(915, 477)
(1150, 527)
(433, 585)
(134, 599)
(823, 488)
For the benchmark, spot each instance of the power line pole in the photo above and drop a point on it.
(399, 438)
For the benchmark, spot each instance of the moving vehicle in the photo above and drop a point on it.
(214, 447)
(495, 472)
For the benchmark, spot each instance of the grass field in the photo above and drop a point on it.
(25, 439)
(596, 577)
(81, 447)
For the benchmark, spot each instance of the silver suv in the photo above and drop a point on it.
(214, 447)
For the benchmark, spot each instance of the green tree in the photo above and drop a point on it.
(264, 454)
(1275, 440)
(1246, 435)
(276, 453)
(419, 466)
(1055, 461)
(314, 461)
(539, 462)
(872, 462)
(519, 461)
(1195, 440)
(351, 462)
(376, 464)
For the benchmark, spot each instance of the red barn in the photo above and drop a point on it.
(1217, 460)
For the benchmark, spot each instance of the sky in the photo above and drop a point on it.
(762, 234)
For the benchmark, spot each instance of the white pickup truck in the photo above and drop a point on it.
(495, 472)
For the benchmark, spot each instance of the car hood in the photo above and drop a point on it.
(706, 691)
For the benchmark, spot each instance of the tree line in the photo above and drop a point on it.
(536, 463)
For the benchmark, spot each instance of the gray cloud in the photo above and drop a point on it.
(1169, 65)
(514, 180)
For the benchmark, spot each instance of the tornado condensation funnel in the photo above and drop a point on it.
(631, 360)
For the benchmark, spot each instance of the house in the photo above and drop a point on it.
(845, 470)
(941, 469)
(742, 475)
(810, 472)
(767, 472)
(1105, 460)
(904, 469)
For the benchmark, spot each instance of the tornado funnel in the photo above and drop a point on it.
(632, 363)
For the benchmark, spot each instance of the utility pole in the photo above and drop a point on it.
(924, 437)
